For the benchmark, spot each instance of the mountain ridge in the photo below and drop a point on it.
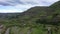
(34, 13)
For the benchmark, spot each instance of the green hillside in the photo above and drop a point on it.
(36, 20)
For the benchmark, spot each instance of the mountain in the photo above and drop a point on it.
(34, 13)
(43, 12)
(6, 15)
(56, 5)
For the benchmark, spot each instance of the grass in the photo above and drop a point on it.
(18, 30)
(35, 30)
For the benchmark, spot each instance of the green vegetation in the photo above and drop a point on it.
(36, 20)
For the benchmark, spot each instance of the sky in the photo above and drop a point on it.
(18, 6)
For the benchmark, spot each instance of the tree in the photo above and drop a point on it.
(51, 22)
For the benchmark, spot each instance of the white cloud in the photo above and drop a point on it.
(26, 6)
(9, 11)
(22, 5)
(32, 2)
(39, 2)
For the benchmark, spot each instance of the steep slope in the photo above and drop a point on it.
(56, 5)
(42, 12)
(56, 8)
(32, 14)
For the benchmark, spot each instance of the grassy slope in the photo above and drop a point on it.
(30, 16)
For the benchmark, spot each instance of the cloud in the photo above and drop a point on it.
(10, 2)
(11, 6)
(9, 11)
(32, 2)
